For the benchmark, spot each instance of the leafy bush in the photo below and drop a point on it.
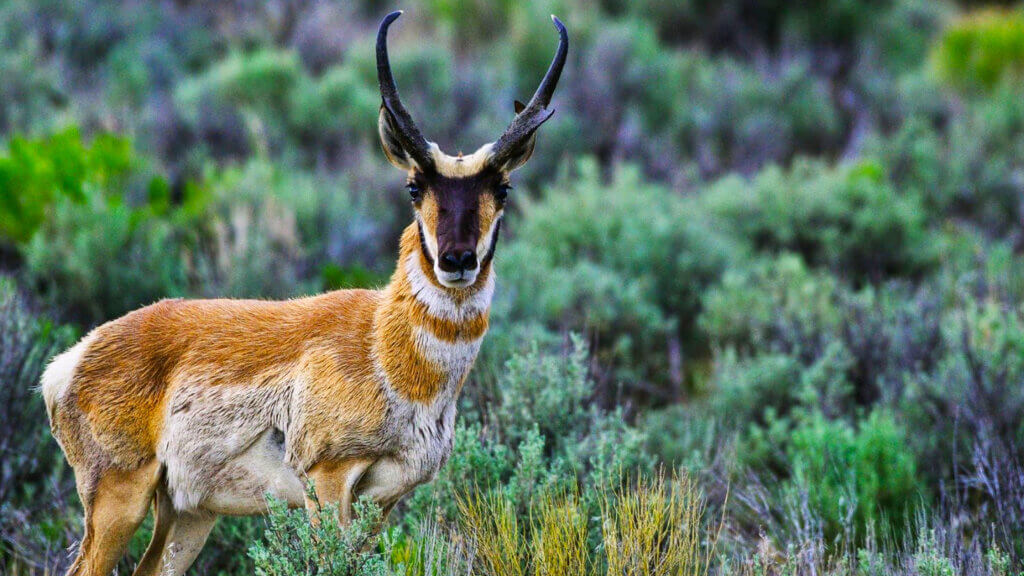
(753, 304)
(340, 102)
(297, 543)
(973, 385)
(983, 50)
(512, 451)
(724, 115)
(623, 262)
(35, 173)
(848, 218)
(32, 475)
(33, 88)
(257, 86)
(102, 259)
(969, 172)
(868, 473)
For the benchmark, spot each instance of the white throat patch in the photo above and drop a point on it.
(439, 303)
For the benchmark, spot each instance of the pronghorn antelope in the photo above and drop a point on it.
(204, 407)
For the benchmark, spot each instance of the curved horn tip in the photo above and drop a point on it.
(392, 17)
(558, 23)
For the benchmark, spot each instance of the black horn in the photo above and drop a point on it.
(405, 129)
(536, 111)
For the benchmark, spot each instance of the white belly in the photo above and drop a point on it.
(223, 449)
(242, 486)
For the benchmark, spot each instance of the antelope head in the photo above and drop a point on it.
(459, 200)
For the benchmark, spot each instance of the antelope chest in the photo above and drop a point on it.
(423, 432)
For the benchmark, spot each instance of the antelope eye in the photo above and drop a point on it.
(414, 190)
(502, 193)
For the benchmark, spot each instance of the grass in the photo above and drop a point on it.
(655, 527)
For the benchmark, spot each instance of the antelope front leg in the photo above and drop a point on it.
(334, 482)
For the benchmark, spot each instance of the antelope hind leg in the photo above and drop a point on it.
(184, 537)
(164, 516)
(114, 507)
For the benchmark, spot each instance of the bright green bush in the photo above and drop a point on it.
(982, 50)
(868, 470)
(36, 172)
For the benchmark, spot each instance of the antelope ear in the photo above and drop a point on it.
(391, 142)
(518, 146)
(519, 106)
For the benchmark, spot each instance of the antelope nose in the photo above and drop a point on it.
(458, 261)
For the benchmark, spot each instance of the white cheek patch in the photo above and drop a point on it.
(484, 243)
(429, 240)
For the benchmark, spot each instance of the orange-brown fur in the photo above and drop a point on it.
(204, 407)
(143, 370)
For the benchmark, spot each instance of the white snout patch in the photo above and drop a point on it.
(455, 279)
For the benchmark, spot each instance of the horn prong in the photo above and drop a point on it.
(535, 113)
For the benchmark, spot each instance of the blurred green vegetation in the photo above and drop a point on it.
(776, 245)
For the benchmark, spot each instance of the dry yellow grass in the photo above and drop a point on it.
(655, 529)
(559, 542)
(491, 523)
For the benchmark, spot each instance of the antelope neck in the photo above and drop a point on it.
(426, 335)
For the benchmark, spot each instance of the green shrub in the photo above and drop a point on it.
(299, 543)
(36, 172)
(967, 172)
(871, 465)
(342, 102)
(683, 435)
(103, 258)
(929, 560)
(624, 262)
(753, 304)
(33, 89)
(540, 432)
(975, 379)
(476, 460)
(260, 82)
(982, 50)
(32, 470)
(725, 115)
(545, 390)
(848, 218)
